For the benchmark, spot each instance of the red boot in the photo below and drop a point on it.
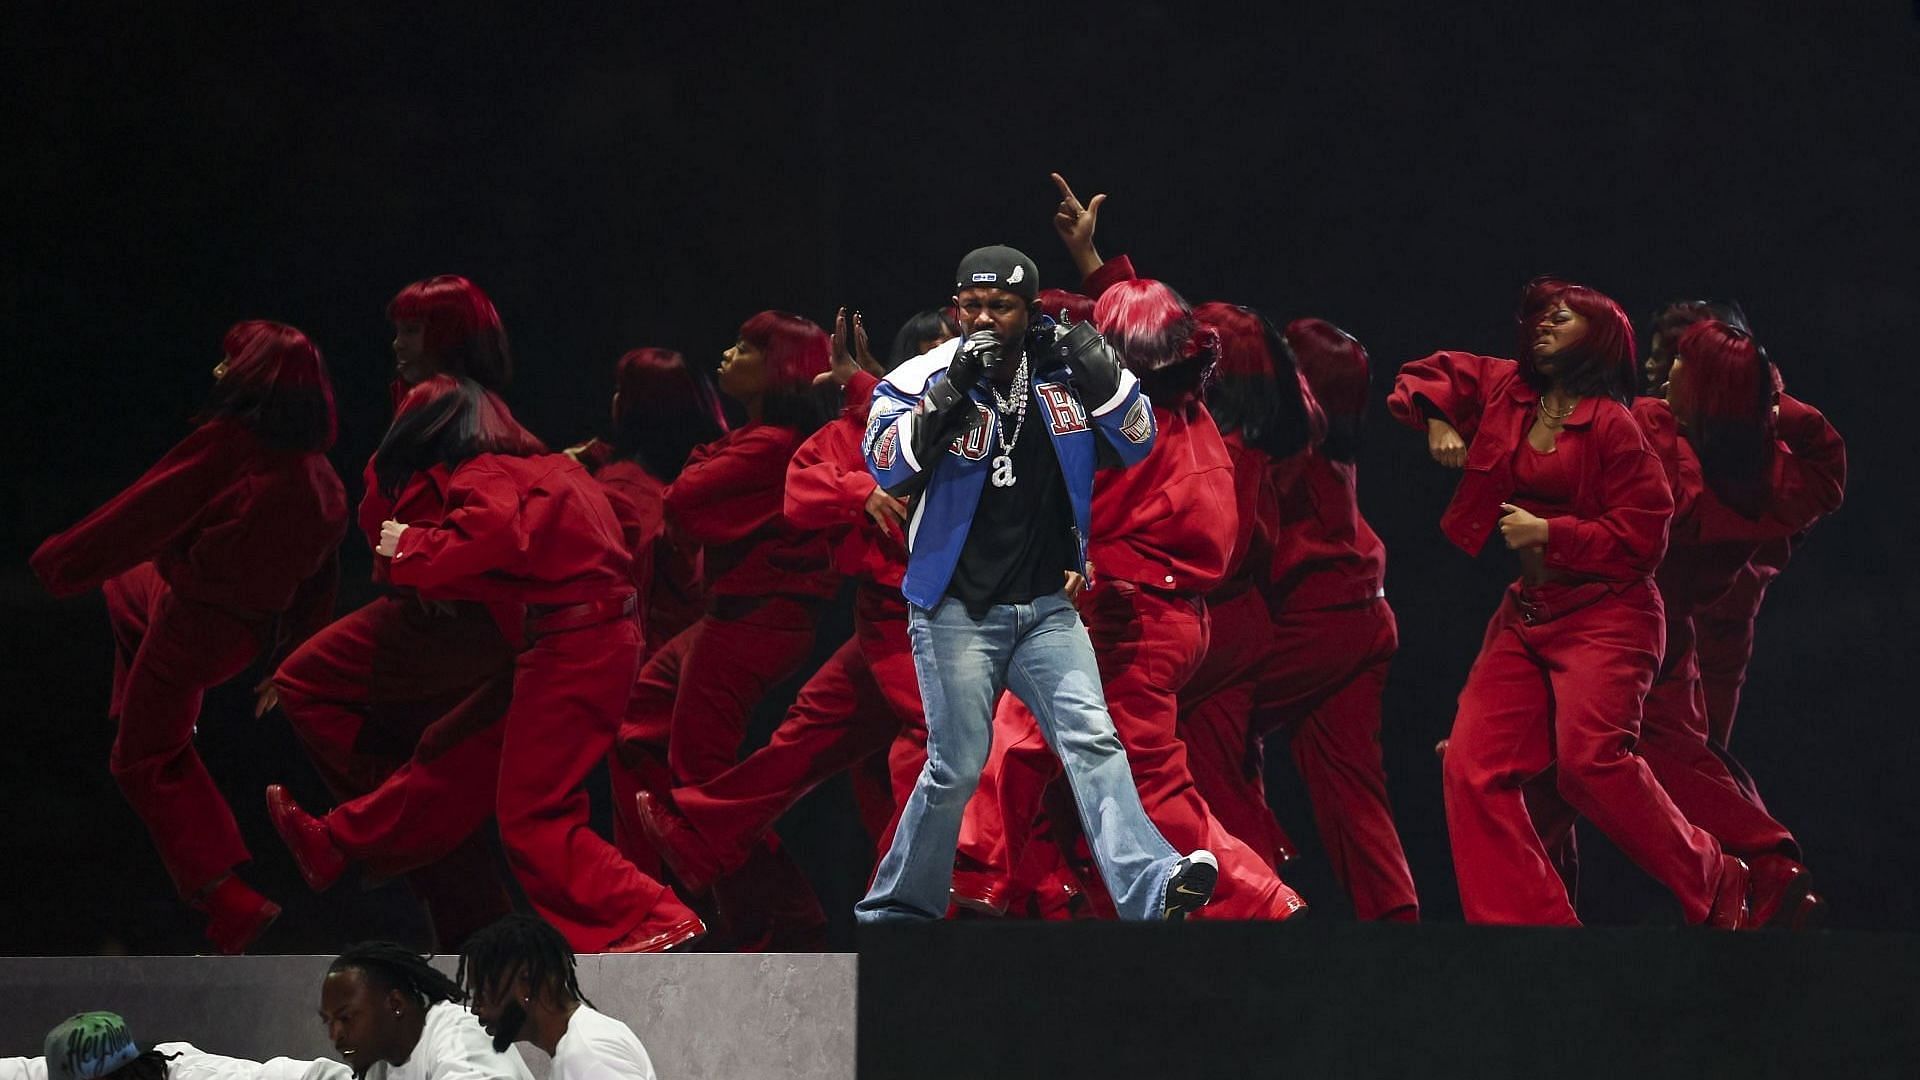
(678, 843)
(1780, 891)
(1730, 910)
(669, 925)
(236, 915)
(306, 836)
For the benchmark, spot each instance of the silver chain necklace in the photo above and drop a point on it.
(1003, 465)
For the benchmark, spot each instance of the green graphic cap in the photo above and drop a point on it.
(88, 1046)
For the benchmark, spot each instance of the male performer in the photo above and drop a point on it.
(991, 572)
(393, 1016)
(520, 972)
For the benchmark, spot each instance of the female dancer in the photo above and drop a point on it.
(662, 410)
(1330, 637)
(863, 700)
(1745, 472)
(522, 527)
(374, 686)
(222, 551)
(1556, 463)
(766, 583)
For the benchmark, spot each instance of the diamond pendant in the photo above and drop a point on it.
(1003, 471)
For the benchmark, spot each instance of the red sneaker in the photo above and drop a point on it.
(320, 862)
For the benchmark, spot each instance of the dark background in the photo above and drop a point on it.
(618, 176)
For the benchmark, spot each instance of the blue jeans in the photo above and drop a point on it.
(1040, 652)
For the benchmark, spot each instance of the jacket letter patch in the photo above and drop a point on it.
(1065, 414)
(973, 445)
(888, 448)
(1138, 426)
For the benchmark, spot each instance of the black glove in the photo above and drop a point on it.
(1096, 368)
(946, 411)
(970, 361)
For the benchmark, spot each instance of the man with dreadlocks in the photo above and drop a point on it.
(98, 1046)
(520, 975)
(393, 1016)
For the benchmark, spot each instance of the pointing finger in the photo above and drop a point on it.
(1066, 192)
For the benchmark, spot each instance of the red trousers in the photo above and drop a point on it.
(568, 692)
(1320, 678)
(1559, 682)
(1723, 645)
(1216, 712)
(1147, 644)
(168, 652)
(684, 724)
(1673, 740)
(393, 682)
(361, 693)
(854, 707)
(693, 698)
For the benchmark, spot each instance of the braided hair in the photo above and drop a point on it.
(519, 943)
(150, 1065)
(400, 968)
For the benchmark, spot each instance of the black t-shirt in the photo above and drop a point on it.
(1021, 542)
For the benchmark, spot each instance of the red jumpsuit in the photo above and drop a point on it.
(766, 581)
(1568, 657)
(1156, 548)
(403, 678)
(223, 550)
(1712, 549)
(1322, 667)
(537, 532)
(866, 697)
(666, 575)
(1216, 704)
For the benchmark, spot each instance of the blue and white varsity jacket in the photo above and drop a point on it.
(943, 511)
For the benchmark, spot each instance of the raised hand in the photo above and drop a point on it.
(843, 361)
(1075, 222)
(1446, 445)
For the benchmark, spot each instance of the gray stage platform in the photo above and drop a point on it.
(742, 1016)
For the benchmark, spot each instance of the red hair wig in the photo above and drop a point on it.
(666, 408)
(1159, 340)
(276, 383)
(1335, 367)
(1601, 364)
(1256, 388)
(446, 420)
(796, 349)
(463, 329)
(1722, 395)
(1063, 306)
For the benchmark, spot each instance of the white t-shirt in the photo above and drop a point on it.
(598, 1047)
(453, 1046)
(193, 1064)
